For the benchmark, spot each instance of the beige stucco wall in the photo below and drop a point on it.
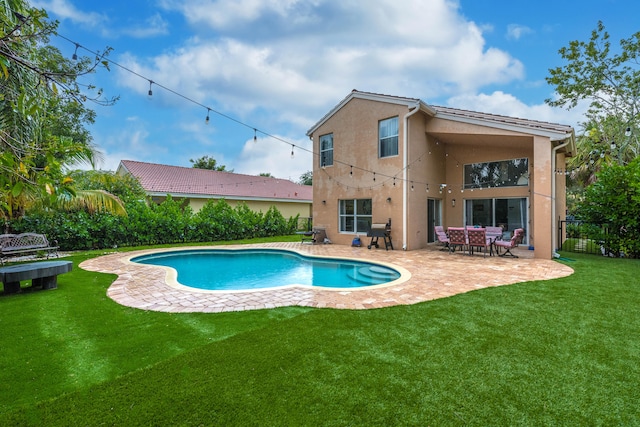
(355, 139)
(438, 150)
(287, 209)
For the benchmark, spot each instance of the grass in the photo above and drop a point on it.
(558, 352)
(583, 245)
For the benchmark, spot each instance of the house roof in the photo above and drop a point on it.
(534, 126)
(160, 180)
(409, 102)
(556, 132)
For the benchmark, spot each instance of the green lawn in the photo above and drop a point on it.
(559, 352)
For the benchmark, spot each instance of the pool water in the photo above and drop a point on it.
(224, 269)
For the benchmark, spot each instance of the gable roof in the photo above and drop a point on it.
(555, 132)
(179, 181)
(356, 94)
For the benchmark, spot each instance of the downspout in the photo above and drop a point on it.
(554, 238)
(405, 163)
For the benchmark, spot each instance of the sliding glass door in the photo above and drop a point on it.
(434, 217)
(507, 213)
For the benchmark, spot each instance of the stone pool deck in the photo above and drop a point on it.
(433, 274)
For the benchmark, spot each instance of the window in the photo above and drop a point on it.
(326, 150)
(508, 213)
(355, 216)
(388, 137)
(506, 173)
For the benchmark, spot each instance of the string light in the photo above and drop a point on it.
(255, 130)
(75, 53)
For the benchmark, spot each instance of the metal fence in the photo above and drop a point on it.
(578, 236)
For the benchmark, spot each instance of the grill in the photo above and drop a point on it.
(380, 230)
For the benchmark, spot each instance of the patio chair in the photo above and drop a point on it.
(516, 239)
(495, 233)
(457, 237)
(478, 239)
(442, 237)
(315, 236)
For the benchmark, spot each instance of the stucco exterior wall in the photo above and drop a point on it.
(437, 150)
(355, 142)
(287, 209)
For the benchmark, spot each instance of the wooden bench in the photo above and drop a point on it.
(25, 243)
(44, 274)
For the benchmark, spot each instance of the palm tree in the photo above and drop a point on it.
(41, 118)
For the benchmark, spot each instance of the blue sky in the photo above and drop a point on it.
(279, 65)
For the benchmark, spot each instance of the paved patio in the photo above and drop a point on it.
(432, 274)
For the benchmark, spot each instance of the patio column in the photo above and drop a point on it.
(540, 232)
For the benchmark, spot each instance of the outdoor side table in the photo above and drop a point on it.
(43, 274)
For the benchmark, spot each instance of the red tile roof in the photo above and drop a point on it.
(177, 180)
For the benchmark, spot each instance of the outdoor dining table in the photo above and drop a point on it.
(490, 239)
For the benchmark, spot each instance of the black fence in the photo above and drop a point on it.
(578, 236)
(305, 223)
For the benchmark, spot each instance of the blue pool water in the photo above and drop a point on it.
(220, 269)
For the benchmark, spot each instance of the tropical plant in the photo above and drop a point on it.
(42, 115)
(614, 200)
(610, 83)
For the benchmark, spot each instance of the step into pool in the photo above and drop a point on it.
(246, 269)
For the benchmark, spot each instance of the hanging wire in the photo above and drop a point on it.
(209, 110)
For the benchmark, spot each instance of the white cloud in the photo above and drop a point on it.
(153, 26)
(516, 31)
(64, 9)
(225, 14)
(304, 56)
(269, 155)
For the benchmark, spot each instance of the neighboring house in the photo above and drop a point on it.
(197, 186)
(384, 157)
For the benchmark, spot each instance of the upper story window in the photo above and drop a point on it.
(326, 150)
(505, 173)
(388, 137)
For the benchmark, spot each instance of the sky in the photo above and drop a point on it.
(267, 70)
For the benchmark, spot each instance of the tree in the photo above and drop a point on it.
(126, 187)
(614, 201)
(41, 115)
(266, 174)
(306, 178)
(610, 83)
(206, 162)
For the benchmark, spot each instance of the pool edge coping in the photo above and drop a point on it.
(171, 274)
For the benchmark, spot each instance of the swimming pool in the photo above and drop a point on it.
(250, 269)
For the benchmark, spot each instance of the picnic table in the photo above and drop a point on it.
(44, 274)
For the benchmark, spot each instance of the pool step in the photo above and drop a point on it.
(373, 274)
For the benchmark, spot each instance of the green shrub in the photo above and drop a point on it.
(614, 199)
(171, 221)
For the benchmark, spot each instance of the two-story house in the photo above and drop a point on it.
(384, 158)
